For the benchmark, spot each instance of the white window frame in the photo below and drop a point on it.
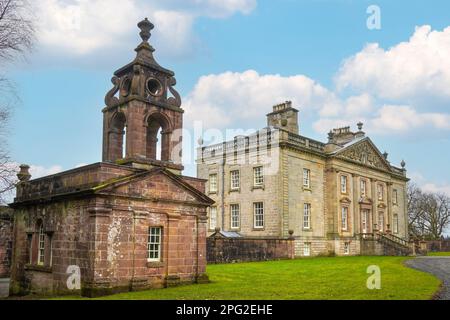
(395, 223)
(41, 245)
(380, 192)
(363, 187)
(235, 216)
(307, 216)
(344, 218)
(307, 249)
(306, 178)
(381, 221)
(395, 196)
(365, 220)
(213, 182)
(344, 184)
(258, 215)
(235, 179)
(346, 248)
(212, 217)
(258, 176)
(154, 243)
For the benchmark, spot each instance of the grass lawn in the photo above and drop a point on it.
(438, 254)
(315, 278)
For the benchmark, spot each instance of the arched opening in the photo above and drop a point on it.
(158, 138)
(117, 137)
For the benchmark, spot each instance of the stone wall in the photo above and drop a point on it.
(228, 250)
(438, 246)
(6, 233)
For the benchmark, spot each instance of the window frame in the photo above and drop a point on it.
(260, 176)
(306, 178)
(307, 213)
(211, 226)
(307, 249)
(41, 246)
(380, 191)
(232, 212)
(346, 248)
(261, 214)
(363, 190)
(211, 190)
(232, 186)
(395, 221)
(381, 218)
(158, 244)
(395, 197)
(344, 227)
(344, 186)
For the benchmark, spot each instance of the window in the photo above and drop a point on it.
(306, 249)
(363, 188)
(344, 218)
(212, 218)
(381, 221)
(235, 179)
(343, 184)
(258, 176)
(380, 192)
(307, 216)
(365, 221)
(306, 178)
(395, 223)
(258, 209)
(347, 248)
(41, 252)
(395, 196)
(235, 216)
(154, 244)
(213, 183)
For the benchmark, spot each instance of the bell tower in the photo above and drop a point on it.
(143, 118)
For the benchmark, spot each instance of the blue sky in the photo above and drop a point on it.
(233, 61)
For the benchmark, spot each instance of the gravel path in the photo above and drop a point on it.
(439, 267)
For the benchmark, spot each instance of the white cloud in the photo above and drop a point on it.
(233, 98)
(420, 66)
(41, 171)
(81, 26)
(435, 188)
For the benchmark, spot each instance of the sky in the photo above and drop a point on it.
(234, 60)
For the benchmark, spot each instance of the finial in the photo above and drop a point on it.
(403, 164)
(24, 173)
(385, 155)
(330, 135)
(360, 126)
(146, 26)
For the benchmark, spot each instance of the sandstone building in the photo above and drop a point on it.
(340, 197)
(130, 222)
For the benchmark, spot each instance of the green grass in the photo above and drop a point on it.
(438, 254)
(315, 278)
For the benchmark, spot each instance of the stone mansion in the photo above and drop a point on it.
(332, 197)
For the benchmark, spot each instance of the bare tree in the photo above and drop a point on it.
(429, 213)
(16, 38)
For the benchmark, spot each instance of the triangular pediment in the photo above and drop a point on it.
(156, 184)
(365, 153)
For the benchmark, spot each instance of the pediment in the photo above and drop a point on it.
(366, 153)
(157, 185)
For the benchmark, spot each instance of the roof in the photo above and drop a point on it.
(226, 234)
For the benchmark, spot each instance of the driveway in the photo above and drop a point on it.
(439, 267)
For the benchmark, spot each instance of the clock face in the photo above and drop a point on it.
(125, 87)
(154, 87)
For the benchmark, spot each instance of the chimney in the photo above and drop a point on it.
(284, 116)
